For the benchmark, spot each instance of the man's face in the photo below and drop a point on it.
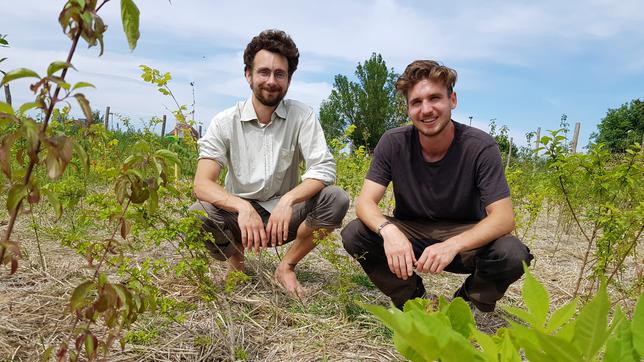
(429, 107)
(268, 77)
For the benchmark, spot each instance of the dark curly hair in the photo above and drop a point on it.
(275, 41)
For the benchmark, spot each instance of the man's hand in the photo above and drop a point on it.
(277, 227)
(436, 257)
(400, 254)
(252, 229)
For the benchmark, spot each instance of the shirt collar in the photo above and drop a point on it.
(248, 111)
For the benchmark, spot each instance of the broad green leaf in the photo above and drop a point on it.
(561, 316)
(558, 349)
(489, 348)
(84, 104)
(79, 294)
(567, 331)
(16, 194)
(591, 324)
(535, 298)
(6, 108)
(82, 85)
(508, 351)
(458, 349)
(167, 155)
(27, 106)
(130, 20)
(53, 201)
(637, 324)
(619, 346)
(521, 314)
(17, 74)
(56, 66)
(460, 317)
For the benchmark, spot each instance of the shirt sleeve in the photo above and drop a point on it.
(213, 144)
(380, 168)
(490, 179)
(318, 161)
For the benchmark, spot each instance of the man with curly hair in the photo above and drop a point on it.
(453, 209)
(261, 142)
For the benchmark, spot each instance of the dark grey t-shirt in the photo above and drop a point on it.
(458, 187)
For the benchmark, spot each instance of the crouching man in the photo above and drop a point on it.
(453, 210)
(262, 141)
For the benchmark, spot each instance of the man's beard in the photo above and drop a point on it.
(269, 102)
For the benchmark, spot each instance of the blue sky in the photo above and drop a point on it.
(524, 63)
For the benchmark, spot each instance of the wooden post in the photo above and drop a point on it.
(107, 118)
(7, 93)
(575, 138)
(199, 131)
(163, 126)
(509, 154)
(471, 121)
(536, 148)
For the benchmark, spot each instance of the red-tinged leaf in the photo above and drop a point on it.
(125, 227)
(5, 164)
(30, 105)
(62, 351)
(14, 265)
(34, 195)
(17, 74)
(80, 293)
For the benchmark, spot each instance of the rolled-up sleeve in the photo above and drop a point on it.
(213, 145)
(318, 161)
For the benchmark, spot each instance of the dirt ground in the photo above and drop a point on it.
(256, 322)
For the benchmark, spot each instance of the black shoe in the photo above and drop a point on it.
(483, 307)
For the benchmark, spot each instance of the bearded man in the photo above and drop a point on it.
(261, 142)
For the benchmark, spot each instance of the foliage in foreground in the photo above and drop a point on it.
(447, 331)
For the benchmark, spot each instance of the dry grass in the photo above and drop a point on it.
(257, 321)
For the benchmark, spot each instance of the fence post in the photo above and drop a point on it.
(509, 154)
(199, 131)
(575, 138)
(107, 118)
(7, 93)
(163, 126)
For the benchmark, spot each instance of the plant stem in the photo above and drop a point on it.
(32, 162)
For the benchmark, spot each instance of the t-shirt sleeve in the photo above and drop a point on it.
(380, 168)
(491, 180)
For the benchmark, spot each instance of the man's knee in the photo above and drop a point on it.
(352, 237)
(333, 203)
(514, 252)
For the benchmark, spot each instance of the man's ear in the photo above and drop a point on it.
(248, 75)
(453, 101)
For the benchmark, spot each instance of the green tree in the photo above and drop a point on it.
(621, 127)
(371, 104)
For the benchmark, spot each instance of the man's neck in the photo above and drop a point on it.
(435, 147)
(262, 111)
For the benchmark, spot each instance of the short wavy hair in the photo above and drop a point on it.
(275, 41)
(426, 69)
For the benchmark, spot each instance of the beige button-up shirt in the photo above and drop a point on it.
(263, 160)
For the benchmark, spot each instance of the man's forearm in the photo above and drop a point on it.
(304, 191)
(215, 194)
(490, 228)
(369, 213)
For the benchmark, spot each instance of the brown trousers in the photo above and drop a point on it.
(492, 268)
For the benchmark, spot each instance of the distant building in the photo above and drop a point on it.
(181, 129)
